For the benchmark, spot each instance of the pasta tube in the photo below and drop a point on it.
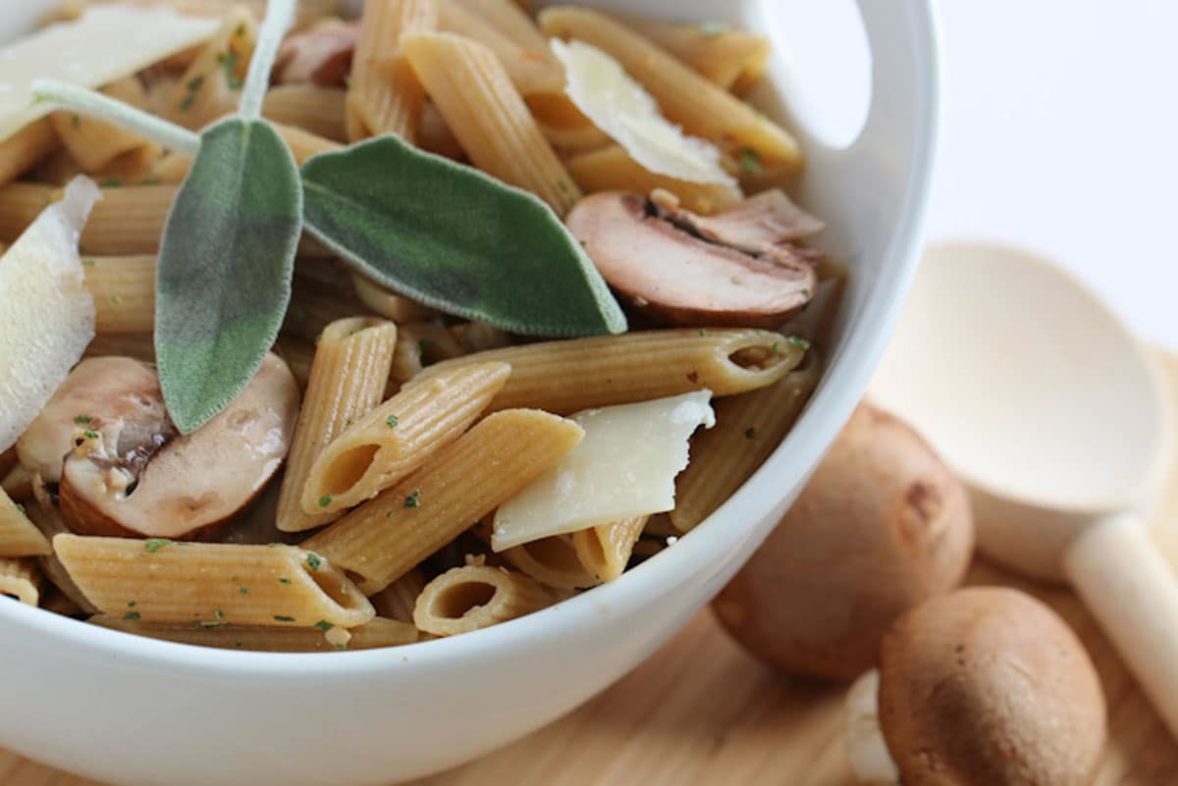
(209, 88)
(732, 59)
(133, 345)
(397, 600)
(748, 428)
(304, 144)
(211, 583)
(18, 483)
(128, 220)
(568, 376)
(476, 596)
(612, 169)
(19, 537)
(20, 204)
(48, 521)
(388, 304)
(385, 538)
(396, 438)
(93, 143)
(604, 550)
(384, 96)
(258, 638)
(348, 378)
(124, 292)
(318, 110)
(299, 355)
(473, 92)
(20, 579)
(685, 97)
(23, 150)
(530, 70)
(552, 561)
(418, 345)
(435, 136)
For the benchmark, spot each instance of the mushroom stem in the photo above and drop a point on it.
(867, 750)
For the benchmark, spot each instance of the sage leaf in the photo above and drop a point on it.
(455, 239)
(225, 267)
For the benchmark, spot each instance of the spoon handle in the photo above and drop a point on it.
(1133, 593)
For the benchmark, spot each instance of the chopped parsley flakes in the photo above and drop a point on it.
(714, 29)
(325, 500)
(314, 561)
(750, 161)
(152, 545)
(392, 421)
(799, 342)
(324, 625)
(88, 434)
(82, 420)
(414, 499)
(283, 618)
(131, 615)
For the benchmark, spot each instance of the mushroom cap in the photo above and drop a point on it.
(651, 258)
(987, 685)
(171, 485)
(117, 396)
(882, 525)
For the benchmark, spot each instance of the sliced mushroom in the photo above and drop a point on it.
(146, 480)
(987, 685)
(116, 397)
(735, 268)
(321, 54)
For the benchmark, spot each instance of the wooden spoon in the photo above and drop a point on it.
(1052, 412)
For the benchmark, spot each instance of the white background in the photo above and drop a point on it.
(1061, 134)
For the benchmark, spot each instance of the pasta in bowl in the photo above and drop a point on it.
(461, 446)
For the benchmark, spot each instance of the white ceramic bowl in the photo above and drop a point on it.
(128, 710)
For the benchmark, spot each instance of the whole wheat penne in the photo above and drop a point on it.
(435, 136)
(316, 304)
(134, 345)
(685, 97)
(508, 18)
(386, 537)
(20, 203)
(475, 95)
(612, 169)
(552, 561)
(136, 167)
(210, 86)
(418, 345)
(20, 579)
(303, 144)
(604, 550)
(748, 428)
(394, 439)
(733, 59)
(124, 292)
(18, 483)
(299, 355)
(318, 110)
(397, 600)
(211, 583)
(564, 126)
(568, 376)
(258, 638)
(348, 378)
(128, 220)
(384, 95)
(8, 458)
(476, 336)
(19, 537)
(531, 71)
(389, 304)
(48, 520)
(476, 596)
(23, 150)
(94, 143)
(171, 167)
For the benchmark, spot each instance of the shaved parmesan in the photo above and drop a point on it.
(106, 44)
(46, 314)
(624, 467)
(620, 107)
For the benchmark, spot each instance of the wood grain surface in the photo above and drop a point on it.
(701, 712)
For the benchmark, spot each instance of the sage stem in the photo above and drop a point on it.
(88, 102)
(279, 14)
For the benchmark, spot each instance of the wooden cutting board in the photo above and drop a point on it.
(700, 712)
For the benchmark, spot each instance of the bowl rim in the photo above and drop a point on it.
(840, 390)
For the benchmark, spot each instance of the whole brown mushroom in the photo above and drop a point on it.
(985, 685)
(882, 525)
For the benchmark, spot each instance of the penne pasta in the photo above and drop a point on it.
(25, 149)
(385, 96)
(315, 304)
(530, 70)
(20, 203)
(612, 169)
(133, 345)
(564, 126)
(397, 600)
(569, 376)
(748, 428)
(476, 596)
(473, 92)
(8, 458)
(18, 483)
(513, 22)
(299, 355)
(435, 136)
(732, 59)
(303, 144)
(479, 337)
(552, 561)
(128, 220)
(211, 583)
(210, 86)
(347, 380)
(48, 520)
(258, 638)
(19, 537)
(394, 439)
(93, 143)
(386, 537)
(686, 98)
(604, 551)
(123, 289)
(20, 579)
(388, 304)
(317, 110)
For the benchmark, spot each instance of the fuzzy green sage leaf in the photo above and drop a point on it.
(455, 239)
(224, 277)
